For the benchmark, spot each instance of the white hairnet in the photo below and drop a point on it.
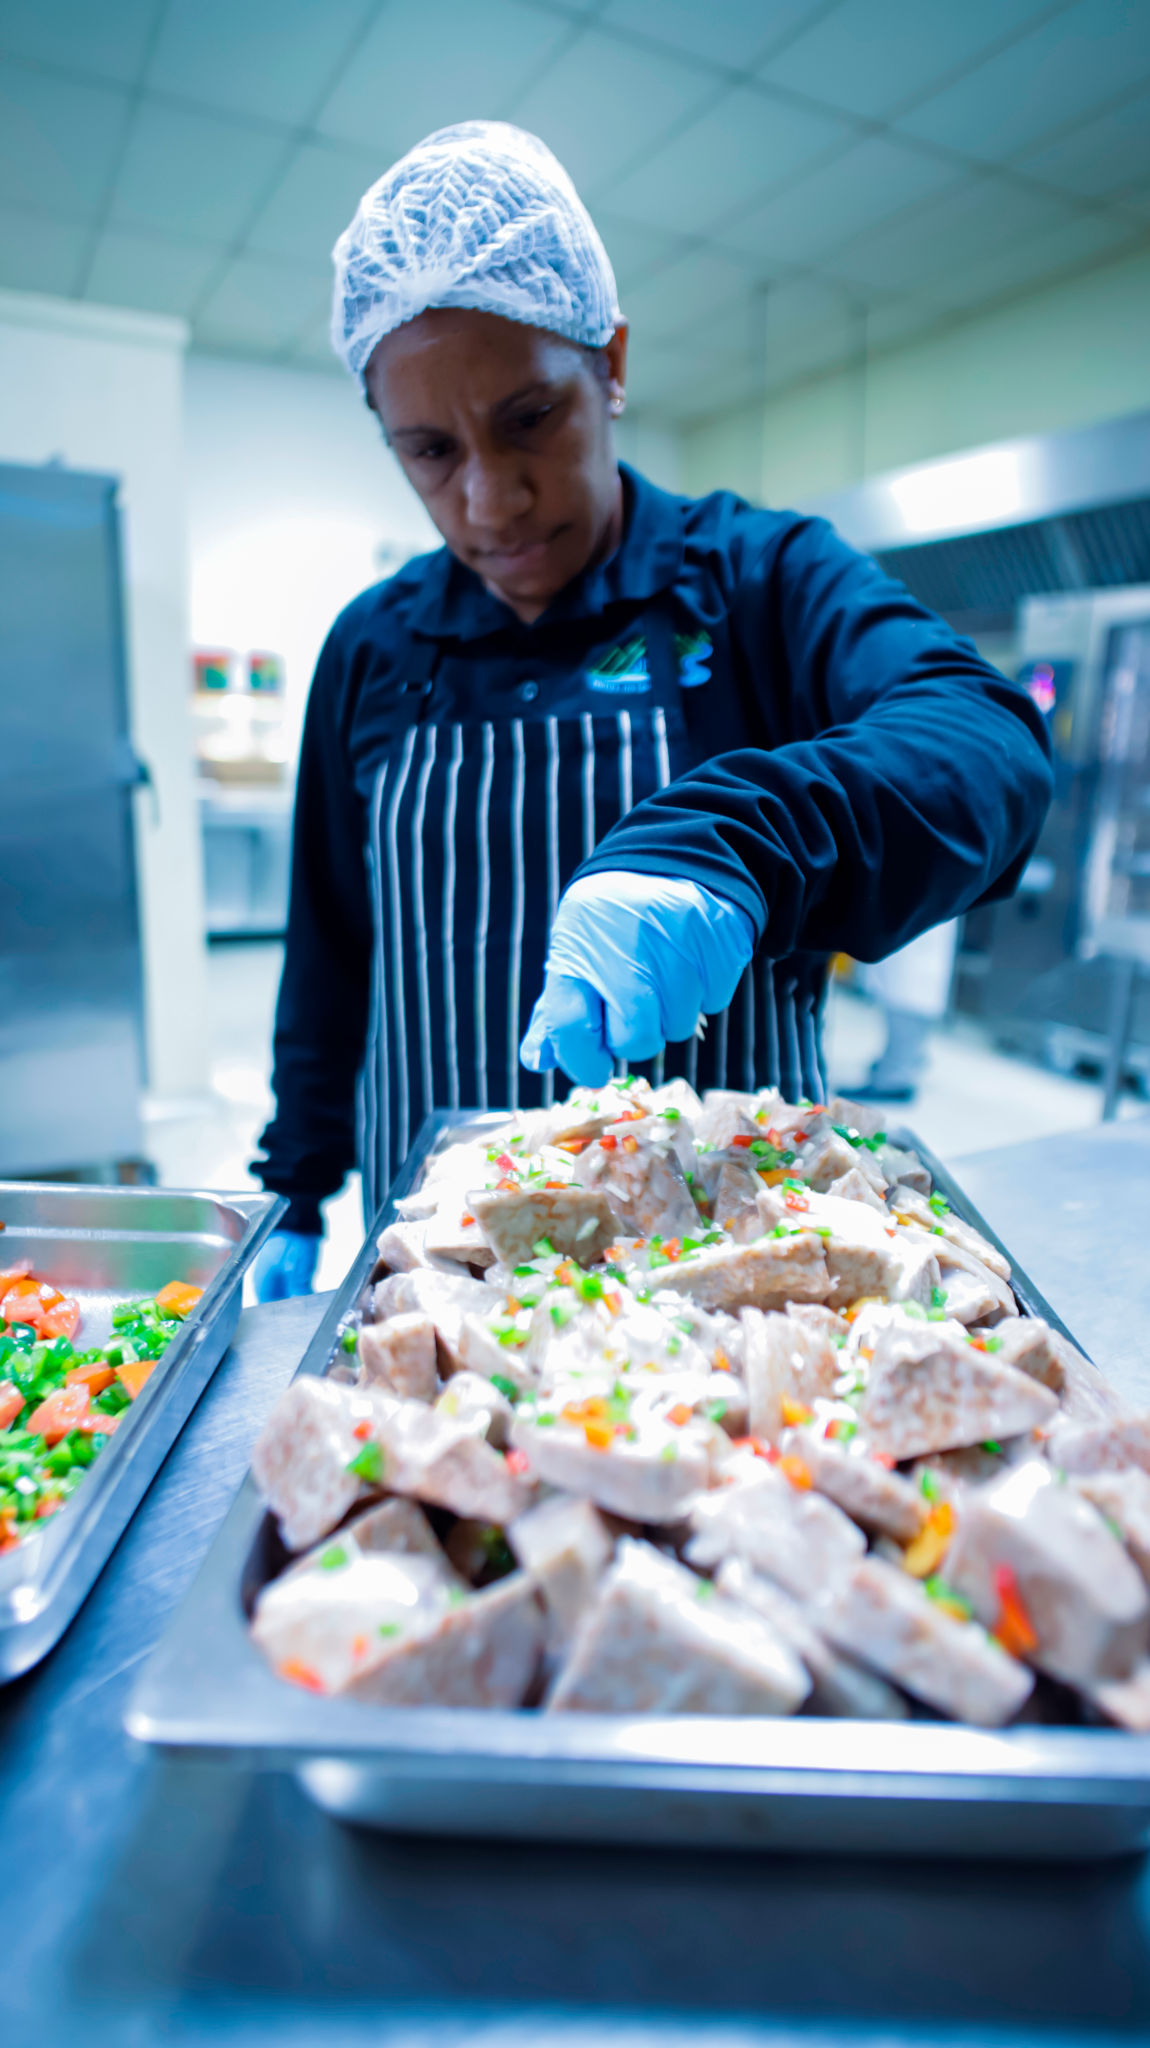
(479, 215)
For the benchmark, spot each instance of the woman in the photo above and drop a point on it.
(696, 745)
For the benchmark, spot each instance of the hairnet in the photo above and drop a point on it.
(479, 215)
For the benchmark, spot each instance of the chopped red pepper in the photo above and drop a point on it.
(609, 1141)
(1014, 1628)
(741, 1141)
(517, 1462)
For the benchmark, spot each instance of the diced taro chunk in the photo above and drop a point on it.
(1102, 1446)
(929, 1390)
(1084, 1599)
(483, 1652)
(792, 1534)
(839, 1686)
(345, 1612)
(1123, 1499)
(784, 1358)
(579, 1222)
(657, 1640)
(442, 1296)
(643, 1183)
(633, 1479)
(471, 1399)
(878, 1499)
(767, 1274)
(564, 1546)
(400, 1355)
(881, 1615)
(303, 1455)
(443, 1460)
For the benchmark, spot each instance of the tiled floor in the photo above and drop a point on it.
(973, 1098)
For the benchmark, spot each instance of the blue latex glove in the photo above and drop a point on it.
(286, 1265)
(633, 960)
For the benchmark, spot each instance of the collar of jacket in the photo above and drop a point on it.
(453, 604)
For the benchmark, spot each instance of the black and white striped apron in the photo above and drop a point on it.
(476, 826)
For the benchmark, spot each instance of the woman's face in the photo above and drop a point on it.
(505, 432)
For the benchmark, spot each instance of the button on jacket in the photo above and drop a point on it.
(735, 696)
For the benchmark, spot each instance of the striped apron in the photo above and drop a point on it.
(476, 826)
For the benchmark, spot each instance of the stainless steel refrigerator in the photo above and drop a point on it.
(71, 1019)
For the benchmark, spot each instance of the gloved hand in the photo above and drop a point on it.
(286, 1265)
(633, 959)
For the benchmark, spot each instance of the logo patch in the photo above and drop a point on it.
(695, 652)
(622, 670)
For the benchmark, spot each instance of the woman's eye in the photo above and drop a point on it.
(526, 421)
(434, 451)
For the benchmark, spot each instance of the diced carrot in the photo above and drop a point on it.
(362, 1430)
(680, 1414)
(96, 1423)
(513, 1305)
(721, 1362)
(924, 1555)
(11, 1402)
(95, 1376)
(794, 1201)
(599, 1435)
(467, 1220)
(178, 1298)
(18, 1270)
(773, 1175)
(134, 1377)
(1014, 1628)
(609, 1141)
(793, 1468)
(62, 1320)
(573, 1145)
(64, 1408)
(759, 1445)
(298, 1673)
(554, 1183)
(630, 1144)
(794, 1412)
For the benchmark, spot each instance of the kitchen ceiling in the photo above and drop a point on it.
(780, 183)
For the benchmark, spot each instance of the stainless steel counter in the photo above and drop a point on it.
(149, 1901)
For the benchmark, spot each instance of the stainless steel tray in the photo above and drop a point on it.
(105, 1245)
(917, 1788)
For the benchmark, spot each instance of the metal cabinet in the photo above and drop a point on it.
(71, 1030)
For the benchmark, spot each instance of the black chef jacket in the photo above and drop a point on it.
(735, 696)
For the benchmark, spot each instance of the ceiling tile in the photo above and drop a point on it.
(148, 272)
(260, 305)
(820, 211)
(726, 32)
(633, 248)
(602, 103)
(314, 201)
(1019, 268)
(59, 142)
(1063, 71)
(108, 41)
(746, 143)
(1107, 158)
(423, 67)
(194, 175)
(267, 57)
(40, 255)
(696, 287)
(945, 237)
(870, 56)
(313, 347)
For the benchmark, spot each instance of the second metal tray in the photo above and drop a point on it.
(918, 1788)
(103, 1246)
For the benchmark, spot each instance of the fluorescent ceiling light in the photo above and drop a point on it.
(966, 491)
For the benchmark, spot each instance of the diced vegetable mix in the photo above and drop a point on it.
(59, 1404)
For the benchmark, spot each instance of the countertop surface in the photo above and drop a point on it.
(151, 1900)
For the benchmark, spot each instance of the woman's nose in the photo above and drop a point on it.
(496, 494)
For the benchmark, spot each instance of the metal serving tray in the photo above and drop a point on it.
(104, 1246)
(923, 1787)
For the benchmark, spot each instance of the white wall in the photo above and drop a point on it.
(1067, 356)
(101, 390)
(294, 505)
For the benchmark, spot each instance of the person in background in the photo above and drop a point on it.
(655, 756)
(912, 988)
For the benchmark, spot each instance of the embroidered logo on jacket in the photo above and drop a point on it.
(623, 670)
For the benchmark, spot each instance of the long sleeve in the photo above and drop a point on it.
(321, 1016)
(899, 780)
